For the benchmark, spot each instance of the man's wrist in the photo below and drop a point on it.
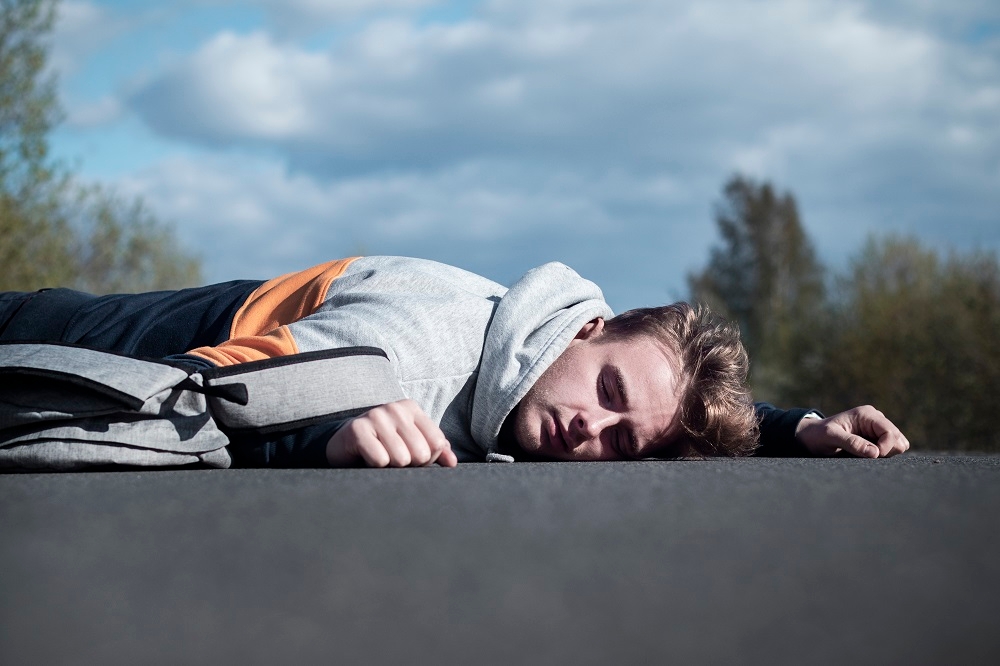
(812, 415)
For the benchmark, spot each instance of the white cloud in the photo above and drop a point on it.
(291, 19)
(642, 82)
(553, 126)
(253, 88)
(81, 29)
(303, 17)
(252, 218)
(949, 19)
(479, 201)
(330, 9)
(91, 114)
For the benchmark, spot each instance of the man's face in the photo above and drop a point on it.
(601, 400)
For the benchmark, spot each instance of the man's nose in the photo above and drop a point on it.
(586, 427)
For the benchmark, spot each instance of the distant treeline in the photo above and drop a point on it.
(910, 329)
(53, 230)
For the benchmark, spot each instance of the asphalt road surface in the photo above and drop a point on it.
(757, 561)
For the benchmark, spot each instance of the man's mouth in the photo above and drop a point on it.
(556, 435)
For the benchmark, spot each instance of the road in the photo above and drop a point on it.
(759, 561)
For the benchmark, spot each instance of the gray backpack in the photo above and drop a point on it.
(66, 407)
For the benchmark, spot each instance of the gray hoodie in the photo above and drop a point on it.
(466, 349)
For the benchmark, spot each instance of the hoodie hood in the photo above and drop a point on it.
(533, 323)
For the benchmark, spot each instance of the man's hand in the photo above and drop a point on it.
(863, 431)
(398, 434)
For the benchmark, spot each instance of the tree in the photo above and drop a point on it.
(122, 247)
(766, 278)
(52, 230)
(28, 108)
(905, 328)
(33, 249)
(915, 335)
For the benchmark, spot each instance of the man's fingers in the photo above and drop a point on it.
(447, 458)
(399, 451)
(397, 434)
(899, 444)
(891, 444)
(366, 443)
(874, 425)
(416, 443)
(890, 439)
(390, 424)
(859, 446)
(440, 447)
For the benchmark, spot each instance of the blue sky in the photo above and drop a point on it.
(499, 135)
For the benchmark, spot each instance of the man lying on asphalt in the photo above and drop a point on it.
(540, 371)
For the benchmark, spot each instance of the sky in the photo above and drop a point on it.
(502, 134)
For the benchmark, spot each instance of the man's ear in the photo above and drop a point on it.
(591, 329)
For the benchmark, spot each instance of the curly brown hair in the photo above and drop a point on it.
(716, 413)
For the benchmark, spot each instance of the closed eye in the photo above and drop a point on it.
(605, 392)
(620, 387)
(613, 390)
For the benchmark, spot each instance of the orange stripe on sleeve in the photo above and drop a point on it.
(260, 326)
(278, 342)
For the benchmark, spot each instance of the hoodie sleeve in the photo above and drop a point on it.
(306, 447)
(777, 431)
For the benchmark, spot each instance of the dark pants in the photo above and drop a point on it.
(10, 303)
(152, 324)
(38, 315)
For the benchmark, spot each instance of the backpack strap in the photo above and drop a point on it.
(290, 392)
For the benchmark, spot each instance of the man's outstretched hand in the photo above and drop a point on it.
(863, 431)
(398, 434)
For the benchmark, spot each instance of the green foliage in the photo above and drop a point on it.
(765, 277)
(28, 107)
(52, 232)
(123, 248)
(34, 251)
(33, 248)
(914, 333)
(908, 329)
